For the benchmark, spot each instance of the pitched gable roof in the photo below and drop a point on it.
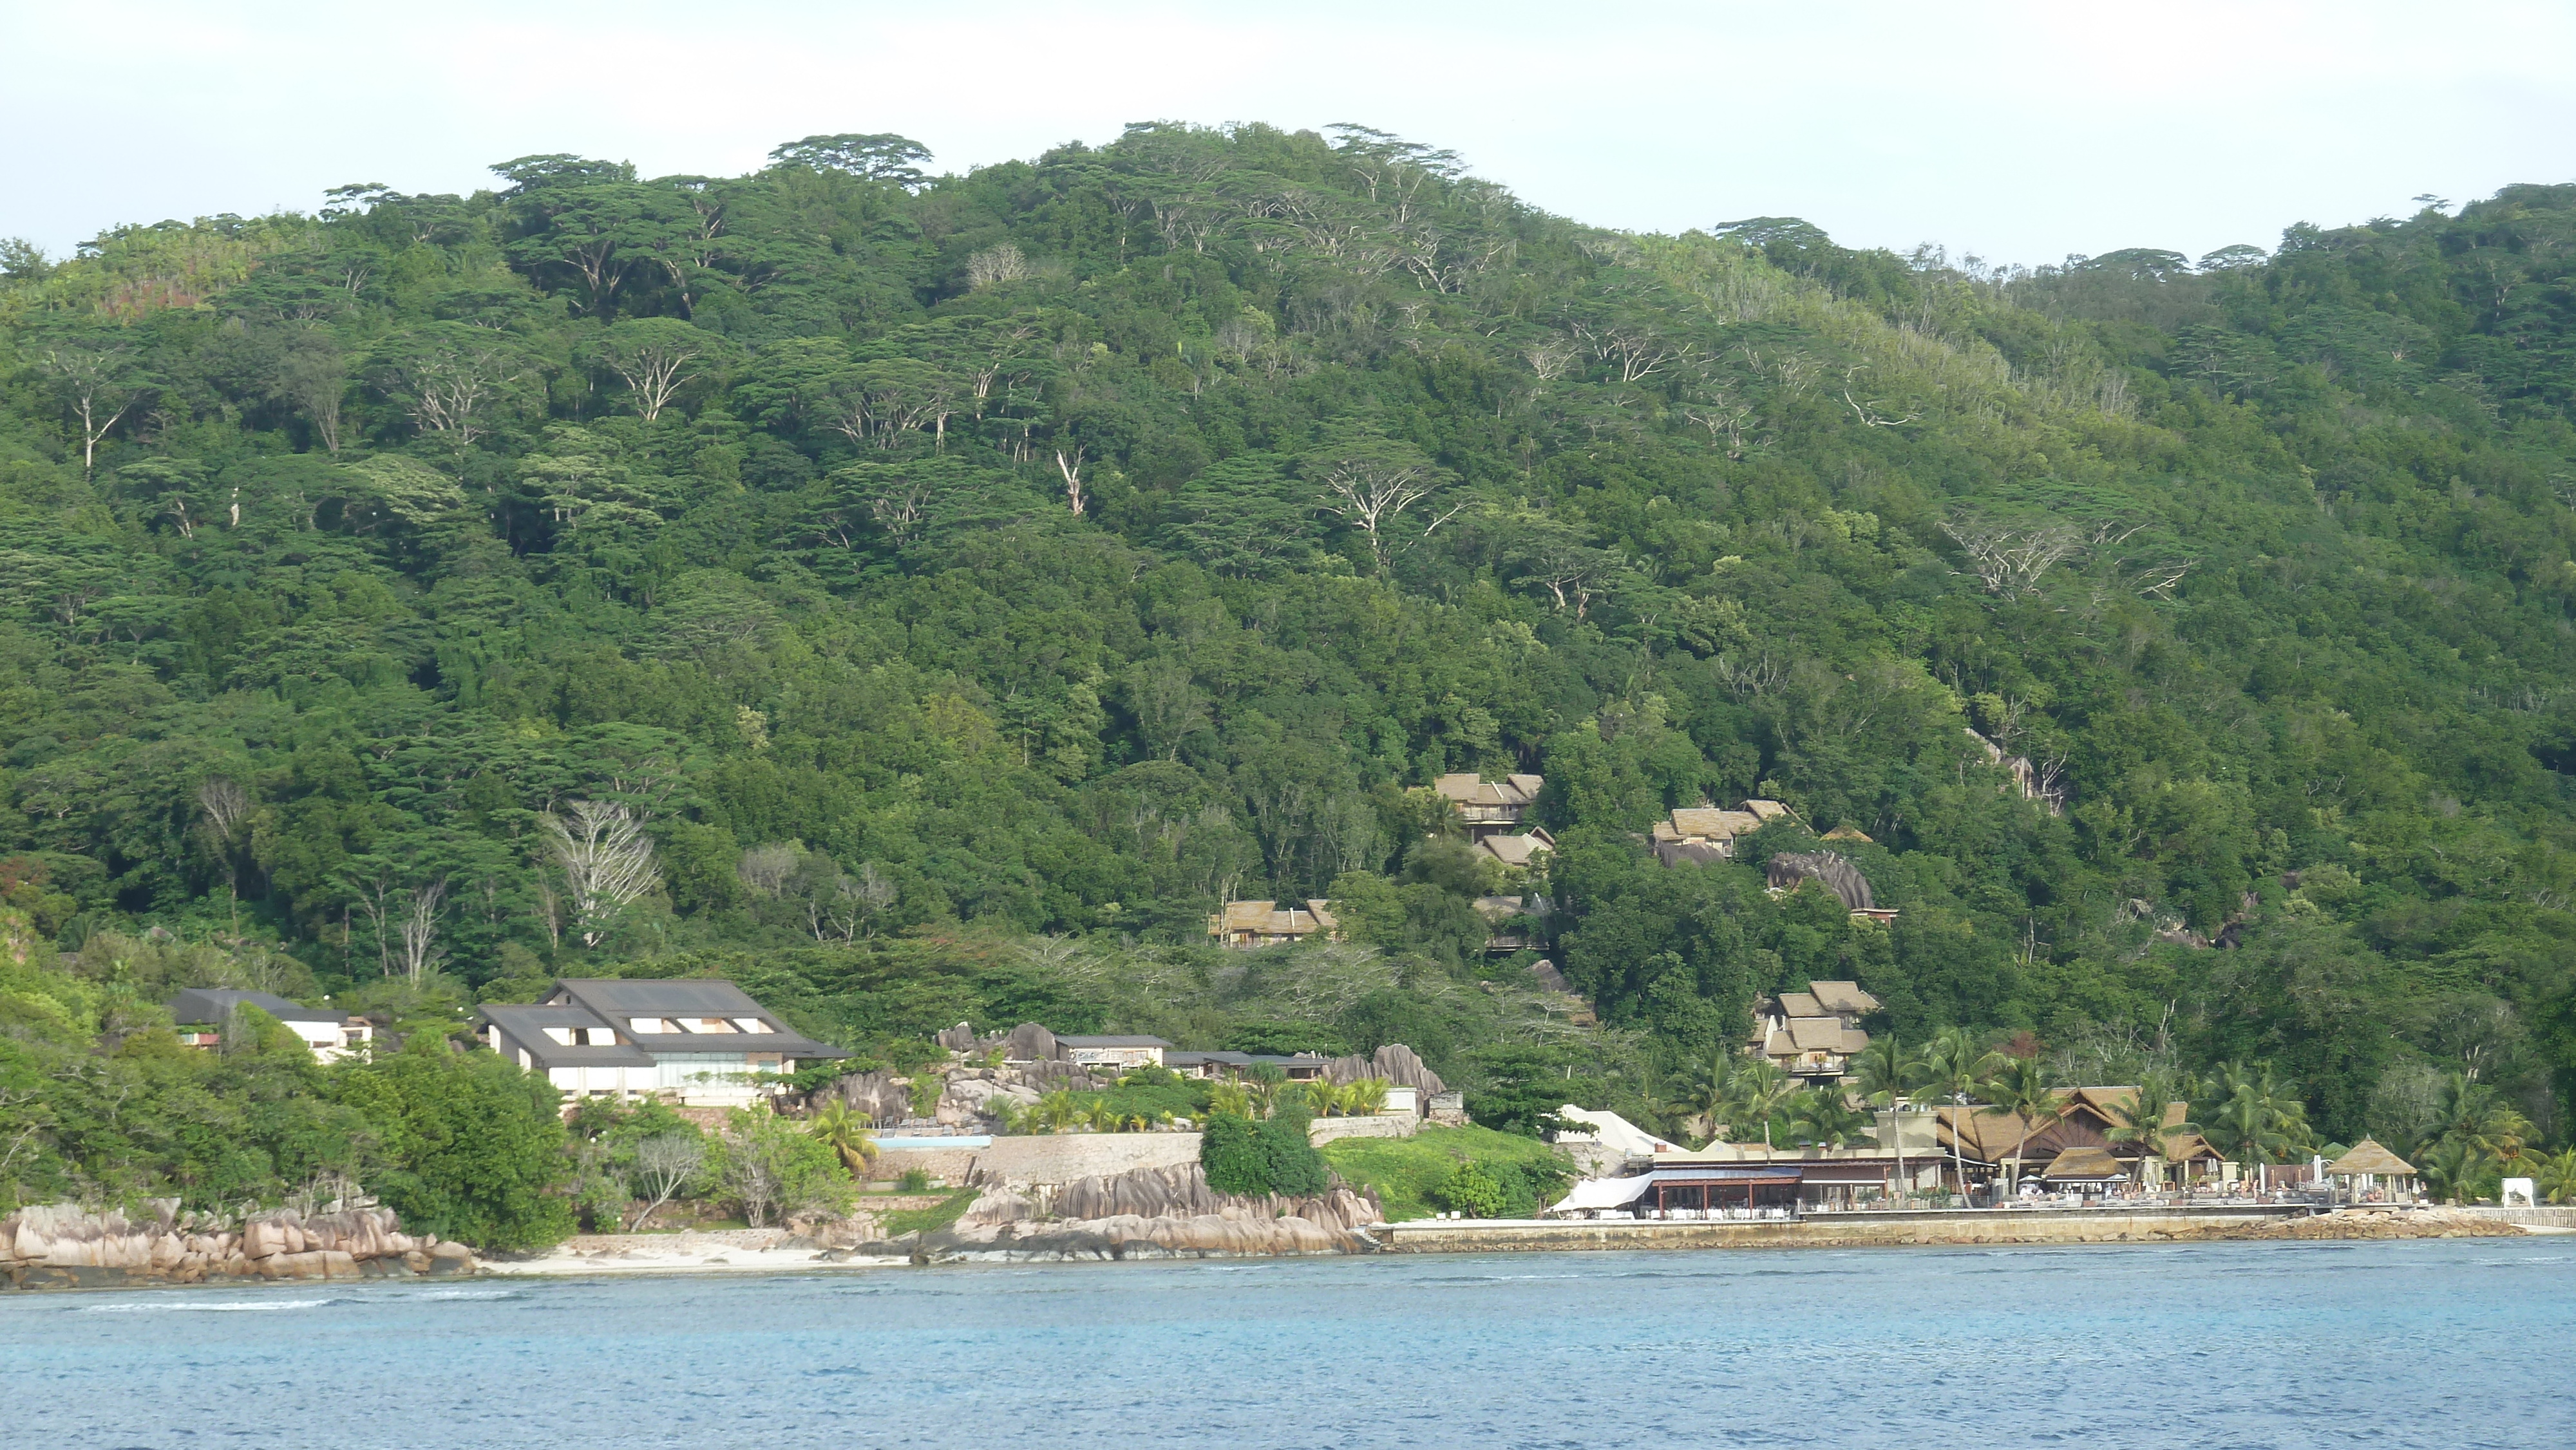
(2368, 1157)
(211, 1005)
(1842, 997)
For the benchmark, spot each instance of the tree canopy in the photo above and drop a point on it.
(925, 594)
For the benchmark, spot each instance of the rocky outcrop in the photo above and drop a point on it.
(1027, 1042)
(2380, 1223)
(1395, 1062)
(61, 1245)
(881, 1095)
(1157, 1213)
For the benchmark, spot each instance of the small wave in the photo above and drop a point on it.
(230, 1308)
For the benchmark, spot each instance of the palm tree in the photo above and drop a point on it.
(1708, 1099)
(2257, 1115)
(2555, 1176)
(1825, 1116)
(1365, 1098)
(1887, 1074)
(1759, 1089)
(2449, 1169)
(1956, 1067)
(1324, 1098)
(1264, 1083)
(2146, 1126)
(2474, 1113)
(2027, 1089)
(1056, 1111)
(846, 1133)
(1230, 1098)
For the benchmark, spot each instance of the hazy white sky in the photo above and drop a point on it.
(2020, 132)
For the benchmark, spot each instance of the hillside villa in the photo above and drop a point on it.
(1490, 807)
(203, 1013)
(697, 1042)
(1700, 834)
(1266, 923)
(1814, 1034)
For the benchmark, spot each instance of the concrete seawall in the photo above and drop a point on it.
(1929, 1227)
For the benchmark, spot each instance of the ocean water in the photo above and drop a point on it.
(2461, 1343)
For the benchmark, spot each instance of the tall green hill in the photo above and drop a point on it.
(967, 582)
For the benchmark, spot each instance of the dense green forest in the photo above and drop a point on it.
(963, 583)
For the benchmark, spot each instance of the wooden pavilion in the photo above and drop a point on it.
(2357, 1174)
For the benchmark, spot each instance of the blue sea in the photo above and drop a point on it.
(2458, 1343)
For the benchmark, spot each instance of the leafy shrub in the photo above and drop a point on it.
(1271, 1156)
(1472, 1190)
(913, 1180)
(1233, 1156)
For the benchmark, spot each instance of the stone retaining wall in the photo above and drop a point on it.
(1984, 1226)
(1046, 1157)
(2559, 1219)
(1383, 1125)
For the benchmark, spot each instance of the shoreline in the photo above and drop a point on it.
(770, 1252)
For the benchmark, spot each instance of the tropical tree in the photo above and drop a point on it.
(664, 1164)
(1888, 1074)
(2146, 1125)
(1707, 1100)
(1365, 1097)
(1955, 1069)
(1232, 1099)
(846, 1133)
(1265, 1083)
(2473, 1113)
(2256, 1116)
(1758, 1090)
(1827, 1117)
(2554, 1176)
(2026, 1089)
(1056, 1112)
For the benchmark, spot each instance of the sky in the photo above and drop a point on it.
(2014, 132)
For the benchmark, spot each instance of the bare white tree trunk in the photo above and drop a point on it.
(423, 906)
(606, 860)
(1071, 468)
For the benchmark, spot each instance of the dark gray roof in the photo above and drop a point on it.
(525, 1028)
(212, 1005)
(1111, 1042)
(616, 1003)
(1192, 1059)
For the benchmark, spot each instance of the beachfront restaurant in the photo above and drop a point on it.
(1699, 1191)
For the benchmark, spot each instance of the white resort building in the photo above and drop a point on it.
(696, 1042)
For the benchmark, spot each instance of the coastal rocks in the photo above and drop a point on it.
(60, 1245)
(1157, 1212)
(2365, 1223)
(1398, 1064)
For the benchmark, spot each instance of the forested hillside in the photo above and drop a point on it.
(966, 582)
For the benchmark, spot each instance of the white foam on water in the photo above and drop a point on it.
(230, 1308)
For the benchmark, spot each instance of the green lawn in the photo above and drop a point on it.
(1405, 1171)
(929, 1220)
